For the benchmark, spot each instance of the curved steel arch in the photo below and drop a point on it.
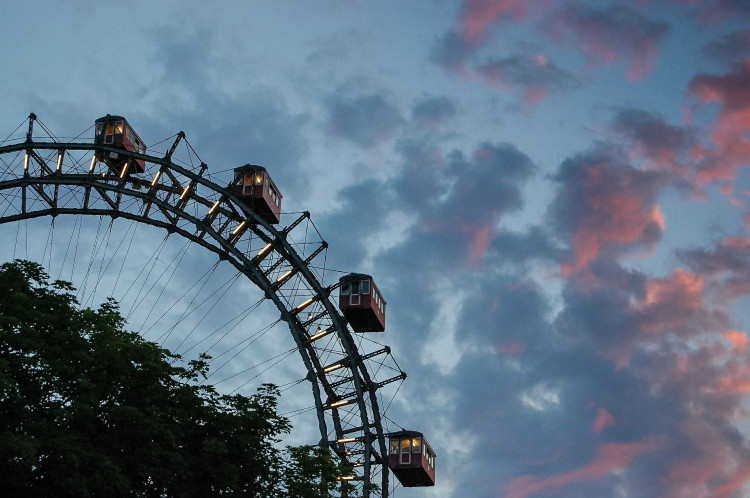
(53, 178)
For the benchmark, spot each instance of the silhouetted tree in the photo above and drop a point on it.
(89, 409)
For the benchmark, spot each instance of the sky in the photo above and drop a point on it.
(553, 196)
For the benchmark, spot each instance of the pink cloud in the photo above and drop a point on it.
(476, 234)
(704, 462)
(737, 242)
(740, 478)
(611, 206)
(603, 420)
(628, 224)
(671, 305)
(658, 144)
(725, 268)
(737, 339)
(513, 349)
(533, 77)
(736, 379)
(479, 16)
(606, 35)
(485, 188)
(731, 133)
(611, 457)
(691, 362)
(480, 240)
(671, 302)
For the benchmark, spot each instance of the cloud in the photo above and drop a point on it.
(534, 77)
(695, 156)
(433, 112)
(670, 302)
(731, 47)
(477, 19)
(675, 350)
(513, 308)
(656, 356)
(482, 189)
(453, 204)
(624, 313)
(183, 57)
(339, 47)
(518, 248)
(424, 177)
(725, 267)
(479, 16)
(611, 34)
(679, 370)
(452, 52)
(660, 144)
(365, 119)
(737, 481)
(611, 457)
(605, 205)
(533, 413)
(702, 461)
(731, 144)
(738, 340)
(599, 311)
(603, 420)
(716, 11)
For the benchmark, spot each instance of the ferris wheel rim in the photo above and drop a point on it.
(365, 388)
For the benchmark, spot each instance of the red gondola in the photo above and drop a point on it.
(361, 303)
(257, 190)
(411, 459)
(115, 131)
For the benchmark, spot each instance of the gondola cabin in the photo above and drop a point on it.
(115, 131)
(411, 459)
(361, 303)
(254, 186)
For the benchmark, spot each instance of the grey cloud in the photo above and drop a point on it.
(653, 133)
(434, 112)
(730, 48)
(453, 51)
(536, 76)
(363, 119)
(536, 243)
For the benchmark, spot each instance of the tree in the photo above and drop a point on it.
(89, 409)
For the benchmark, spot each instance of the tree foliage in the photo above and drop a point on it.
(89, 409)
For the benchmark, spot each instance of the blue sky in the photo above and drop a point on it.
(553, 196)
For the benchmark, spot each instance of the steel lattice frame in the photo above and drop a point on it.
(50, 178)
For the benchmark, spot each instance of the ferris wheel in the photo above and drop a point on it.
(125, 185)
